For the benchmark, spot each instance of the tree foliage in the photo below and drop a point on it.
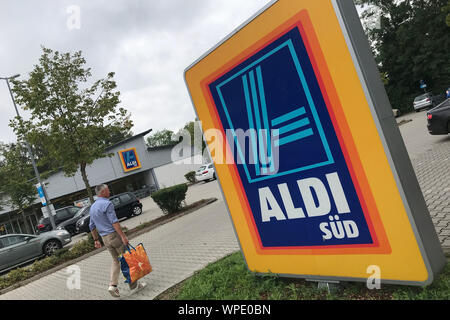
(161, 138)
(195, 131)
(16, 173)
(411, 42)
(167, 137)
(71, 120)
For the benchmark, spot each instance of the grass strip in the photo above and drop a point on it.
(229, 279)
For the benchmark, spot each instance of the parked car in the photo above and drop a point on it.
(424, 101)
(70, 224)
(62, 214)
(439, 119)
(206, 172)
(125, 204)
(18, 249)
(438, 99)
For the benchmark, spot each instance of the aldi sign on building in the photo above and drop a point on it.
(314, 189)
(130, 160)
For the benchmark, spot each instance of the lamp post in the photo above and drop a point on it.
(36, 172)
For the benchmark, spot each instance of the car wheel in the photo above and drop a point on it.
(137, 211)
(51, 246)
(214, 176)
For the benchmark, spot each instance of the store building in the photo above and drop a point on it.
(132, 166)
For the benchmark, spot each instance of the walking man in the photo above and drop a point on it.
(104, 223)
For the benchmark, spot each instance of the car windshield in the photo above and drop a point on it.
(81, 212)
(422, 97)
(202, 168)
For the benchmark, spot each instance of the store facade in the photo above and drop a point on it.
(129, 166)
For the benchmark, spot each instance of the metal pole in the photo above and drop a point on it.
(36, 172)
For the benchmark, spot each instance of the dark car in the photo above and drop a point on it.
(439, 119)
(125, 204)
(61, 215)
(70, 224)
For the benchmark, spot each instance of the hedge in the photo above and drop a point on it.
(190, 176)
(170, 199)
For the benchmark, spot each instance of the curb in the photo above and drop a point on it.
(96, 251)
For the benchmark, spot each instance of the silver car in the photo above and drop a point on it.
(424, 101)
(18, 249)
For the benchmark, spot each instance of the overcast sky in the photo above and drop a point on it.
(147, 43)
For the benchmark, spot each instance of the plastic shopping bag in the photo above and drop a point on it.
(134, 263)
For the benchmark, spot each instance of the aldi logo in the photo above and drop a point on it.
(130, 160)
(299, 189)
(272, 87)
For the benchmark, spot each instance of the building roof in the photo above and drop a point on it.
(128, 139)
(167, 146)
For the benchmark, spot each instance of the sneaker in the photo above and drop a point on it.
(114, 291)
(138, 287)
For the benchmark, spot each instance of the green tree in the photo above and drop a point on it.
(193, 128)
(161, 138)
(410, 43)
(72, 120)
(446, 10)
(16, 173)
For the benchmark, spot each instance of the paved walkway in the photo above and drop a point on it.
(430, 157)
(433, 173)
(175, 254)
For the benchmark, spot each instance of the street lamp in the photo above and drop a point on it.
(36, 172)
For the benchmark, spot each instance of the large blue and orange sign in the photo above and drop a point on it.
(313, 192)
(278, 88)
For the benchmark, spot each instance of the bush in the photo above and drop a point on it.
(170, 199)
(82, 247)
(190, 176)
(17, 275)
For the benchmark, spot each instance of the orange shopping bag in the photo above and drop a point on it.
(134, 263)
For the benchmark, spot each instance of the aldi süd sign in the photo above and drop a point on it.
(313, 188)
(129, 159)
